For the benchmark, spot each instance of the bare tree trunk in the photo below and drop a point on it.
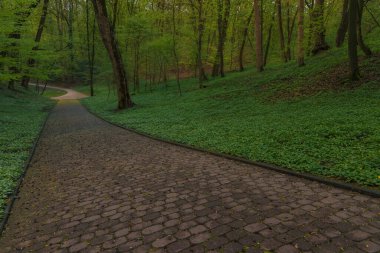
(110, 43)
(216, 66)
(198, 11)
(290, 29)
(21, 15)
(115, 10)
(281, 30)
(59, 15)
(342, 30)
(320, 43)
(242, 47)
(71, 36)
(352, 39)
(233, 40)
(300, 35)
(269, 38)
(90, 48)
(41, 25)
(202, 75)
(226, 17)
(175, 47)
(258, 33)
(367, 51)
(223, 18)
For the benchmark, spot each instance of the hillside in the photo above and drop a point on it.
(310, 119)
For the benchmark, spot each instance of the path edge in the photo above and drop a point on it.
(14, 195)
(319, 179)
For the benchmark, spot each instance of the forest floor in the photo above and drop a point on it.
(311, 119)
(22, 114)
(94, 187)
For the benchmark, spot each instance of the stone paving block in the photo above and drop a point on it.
(121, 192)
(369, 247)
(255, 227)
(287, 249)
(358, 235)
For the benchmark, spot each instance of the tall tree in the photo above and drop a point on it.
(269, 39)
(342, 30)
(300, 34)
(290, 24)
(259, 37)
(367, 51)
(70, 45)
(41, 25)
(245, 35)
(223, 9)
(110, 43)
(318, 27)
(174, 41)
(22, 16)
(343, 25)
(281, 30)
(197, 9)
(90, 39)
(352, 39)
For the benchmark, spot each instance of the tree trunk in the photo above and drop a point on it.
(290, 29)
(21, 15)
(320, 43)
(226, 17)
(281, 30)
(200, 30)
(90, 48)
(58, 5)
(300, 35)
(259, 39)
(367, 51)
(342, 30)
(110, 43)
(223, 18)
(245, 34)
(115, 10)
(352, 39)
(41, 25)
(269, 39)
(216, 66)
(174, 38)
(71, 36)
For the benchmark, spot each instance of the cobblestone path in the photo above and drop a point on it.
(93, 187)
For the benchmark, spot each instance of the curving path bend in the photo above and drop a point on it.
(70, 93)
(93, 187)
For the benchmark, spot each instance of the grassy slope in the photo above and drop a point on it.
(300, 118)
(21, 116)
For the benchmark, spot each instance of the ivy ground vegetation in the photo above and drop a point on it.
(22, 115)
(305, 119)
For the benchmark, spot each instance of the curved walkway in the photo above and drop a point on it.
(70, 94)
(93, 187)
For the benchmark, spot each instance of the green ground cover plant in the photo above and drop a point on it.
(310, 119)
(22, 114)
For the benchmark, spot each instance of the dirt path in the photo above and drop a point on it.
(93, 187)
